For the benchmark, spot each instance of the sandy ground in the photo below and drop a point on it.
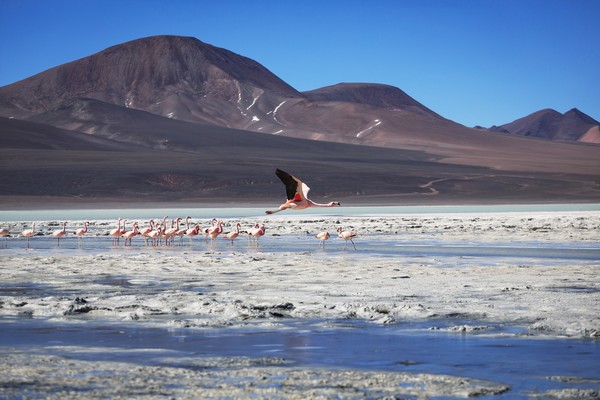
(212, 286)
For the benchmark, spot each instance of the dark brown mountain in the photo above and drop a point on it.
(174, 118)
(550, 124)
(376, 95)
(177, 77)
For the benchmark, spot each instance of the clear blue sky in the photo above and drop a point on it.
(477, 62)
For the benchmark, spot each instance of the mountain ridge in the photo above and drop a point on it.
(551, 124)
(184, 111)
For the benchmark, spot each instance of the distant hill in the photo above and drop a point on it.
(550, 124)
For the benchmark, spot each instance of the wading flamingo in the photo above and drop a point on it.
(256, 232)
(347, 235)
(181, 232)
(60, 233)
(323, 236)
(192, 232)
(117, 233)
(296, 192)
(233, 234)
(144, 232)
(5, 234)
(28, 233)
(213, 224)
(154, 235)
(123, 229)
(215, 231)
(170, 233)
(82, 231)
(130, 234)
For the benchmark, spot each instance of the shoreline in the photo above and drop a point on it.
(11, 203)
(221, 211)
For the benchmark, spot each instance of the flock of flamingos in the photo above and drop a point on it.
(158, 233)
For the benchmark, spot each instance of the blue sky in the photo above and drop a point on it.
(477, 62)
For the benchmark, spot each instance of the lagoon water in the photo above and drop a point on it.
(241, 212)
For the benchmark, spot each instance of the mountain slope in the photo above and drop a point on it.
(376, 95)
(201, 165)
(550, 124)
(173, 76)
(175, 95)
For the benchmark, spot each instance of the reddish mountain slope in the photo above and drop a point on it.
(184, 79)
(550, 124)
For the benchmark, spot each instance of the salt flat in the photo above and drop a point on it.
(521, 275)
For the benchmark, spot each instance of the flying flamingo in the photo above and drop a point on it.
(233, 234)
(5, 233)
(323, 236)
(117, 233)
(60, 233)
(297, 192)
(28, 233)
(130, 234)
(347, 235)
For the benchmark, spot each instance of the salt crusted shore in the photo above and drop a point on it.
(212, 286)
(225, 285)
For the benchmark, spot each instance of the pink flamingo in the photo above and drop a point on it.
(296, 192)
(192, 232)
(170, 233)
(213, 224)
(181, 232)
(256, 232)
(60, 233)
(233, 234)
(130, 234)
(123, 230)
(215, 231)
(154, 235)
(347, 235)
(323, 236)
(28, 233)
(117, 233)
(82, 231)
(5, 234)
(144, 232)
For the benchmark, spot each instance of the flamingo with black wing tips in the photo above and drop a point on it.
(347, 235)
(296, 192)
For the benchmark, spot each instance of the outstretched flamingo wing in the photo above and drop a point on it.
(294, 187)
